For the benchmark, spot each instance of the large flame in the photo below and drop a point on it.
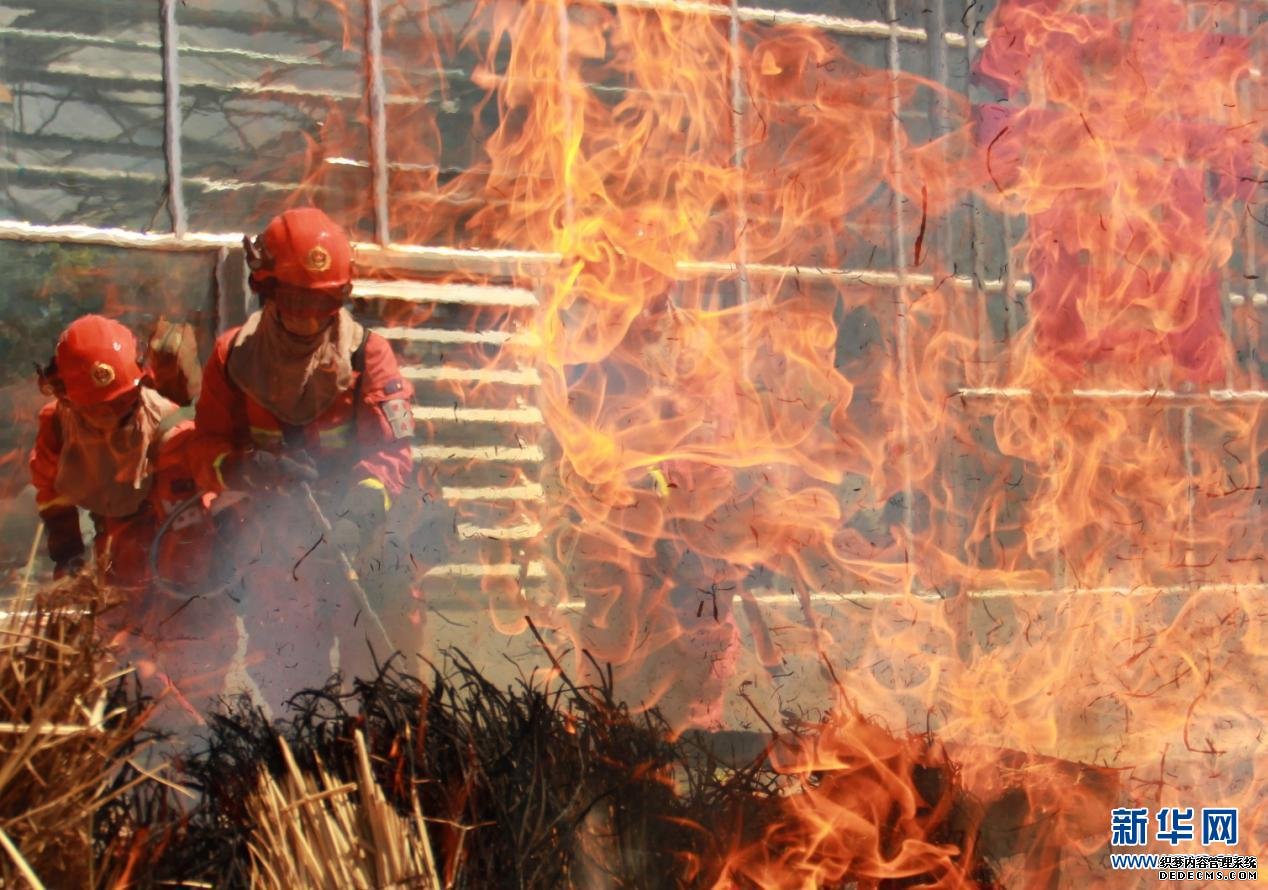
(1036, 480)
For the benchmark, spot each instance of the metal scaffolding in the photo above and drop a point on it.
(158, 161)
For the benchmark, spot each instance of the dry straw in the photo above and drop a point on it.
(313, 831)
(63, 736)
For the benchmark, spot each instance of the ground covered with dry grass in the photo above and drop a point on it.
(451, 782)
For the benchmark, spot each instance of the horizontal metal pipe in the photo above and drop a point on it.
(450, 373)
(526, 531)
(1258, 300)
(867, 277)
(1244, 396)
(433, 292)
(530, 491)
(831, 23)
(457, 414)
(499, 260)
(527, 454)
(447, 336)
(789, 600)
(404, 256)
(63, 38)
(533, 570)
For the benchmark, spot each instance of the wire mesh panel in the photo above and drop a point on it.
(273, 112)
(81, 114)
(438, 115)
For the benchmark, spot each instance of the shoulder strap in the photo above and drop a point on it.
(358, 363)
(358, 354)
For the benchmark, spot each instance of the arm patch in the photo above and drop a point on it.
(400, 417)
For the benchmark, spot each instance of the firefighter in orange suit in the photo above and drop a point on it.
(302, 393)
(111, 445)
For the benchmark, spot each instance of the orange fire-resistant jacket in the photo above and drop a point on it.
(122, 544)
(363, 438)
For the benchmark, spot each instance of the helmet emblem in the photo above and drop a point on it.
(317, 259)
(102, 375)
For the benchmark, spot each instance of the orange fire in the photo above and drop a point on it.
(1033, 482)
(851, 795)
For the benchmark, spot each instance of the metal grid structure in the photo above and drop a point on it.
(455, 435)
(934, 34)
(902, 30)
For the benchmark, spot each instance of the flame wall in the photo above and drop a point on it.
(935, 339)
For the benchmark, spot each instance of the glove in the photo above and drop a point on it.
(360, 517)
(263, 470)
(65, 542)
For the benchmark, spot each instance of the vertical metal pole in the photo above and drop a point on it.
(1186, 436)
(172, 119)
(976, 265)
(899, 241)
(1010, 287)
(1007, 273)
(1250, 273)
(1250, 245)
(378, 120)
(738, 109)
(565, 102)
(234, 297)
(220, 312)
(565, 245)
(938, 235)
(939, 117)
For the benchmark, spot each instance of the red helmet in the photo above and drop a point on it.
(303, 248)
(96, 360)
